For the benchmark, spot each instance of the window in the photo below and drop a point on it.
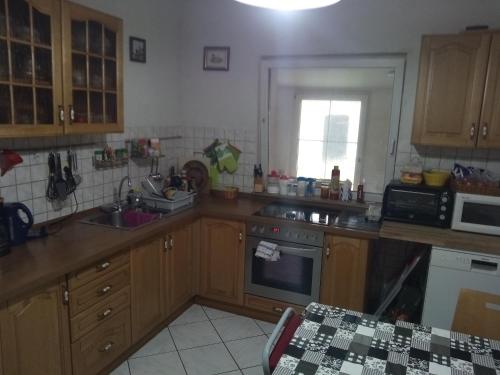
(329, 134)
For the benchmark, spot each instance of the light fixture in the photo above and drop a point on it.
(289, 4)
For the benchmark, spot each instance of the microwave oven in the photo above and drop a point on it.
(476, 213)
(418, 204)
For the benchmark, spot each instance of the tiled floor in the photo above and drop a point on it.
(202, 341)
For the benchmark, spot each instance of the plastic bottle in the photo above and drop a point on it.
(335, 183)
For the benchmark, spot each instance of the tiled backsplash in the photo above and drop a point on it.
(27, 182)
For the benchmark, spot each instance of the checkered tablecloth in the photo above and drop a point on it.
(332, 340)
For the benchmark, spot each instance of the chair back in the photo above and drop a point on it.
(477, 313)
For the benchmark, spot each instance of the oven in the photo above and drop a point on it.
(296, 276)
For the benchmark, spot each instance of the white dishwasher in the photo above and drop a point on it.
(451, 270)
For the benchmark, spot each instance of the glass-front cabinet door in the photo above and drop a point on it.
(93, 87)
(30, 68)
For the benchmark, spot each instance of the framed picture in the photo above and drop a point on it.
(137, 49)
(216, 58)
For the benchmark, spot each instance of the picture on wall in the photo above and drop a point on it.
(216, 58)
(137, 49)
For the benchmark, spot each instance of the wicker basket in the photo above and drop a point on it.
(464, 186)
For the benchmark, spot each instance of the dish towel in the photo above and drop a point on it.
(268, 251)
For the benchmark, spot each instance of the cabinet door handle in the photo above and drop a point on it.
(107, 347)
(105, 290)
(171, 243)
(165, 245)
(103, 266)
(104, 314)
(472, 131)
(240, 236)
(61, 115)
(328, 252)
(71, 114)
(278, 309)
(485, 130)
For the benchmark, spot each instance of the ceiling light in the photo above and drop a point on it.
(289, 4)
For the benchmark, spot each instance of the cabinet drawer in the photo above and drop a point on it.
(104, 267)
(98, 290)
(269, 305)
(103, 345)
(100, 313)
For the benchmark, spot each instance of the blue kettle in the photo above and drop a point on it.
(18, 219)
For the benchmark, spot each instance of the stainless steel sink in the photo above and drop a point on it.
(128, 218)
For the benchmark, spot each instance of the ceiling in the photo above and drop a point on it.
(351, 78)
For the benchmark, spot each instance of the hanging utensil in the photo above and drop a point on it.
(76, 175)
(51, 192)
(61, 186)
(70, 181)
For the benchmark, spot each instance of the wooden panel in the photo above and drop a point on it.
(148, 296)
(35, 334)
(489, 136)
(75, 12)
(98, 290)
(102, 346)
(99, 313)
(100, 269)
(478, 314)
(344, 270)
(269, 305)
(450, 89)
(179, 271)
(222, 260)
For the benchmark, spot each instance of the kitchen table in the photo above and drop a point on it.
(332, 340)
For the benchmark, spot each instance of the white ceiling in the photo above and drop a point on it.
(351, 78)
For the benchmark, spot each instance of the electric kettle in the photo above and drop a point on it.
(18, 220)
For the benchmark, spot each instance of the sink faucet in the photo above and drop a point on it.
(118, 203)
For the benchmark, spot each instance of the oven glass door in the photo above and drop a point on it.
(294, 278)
(423, 205)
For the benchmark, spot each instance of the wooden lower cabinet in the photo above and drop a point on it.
(343, 280)
(178, 268)
(35, 334)
(103, 345)
(222, 260)
(147, 281)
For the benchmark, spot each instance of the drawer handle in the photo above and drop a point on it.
(104, 314)
(107, 347)
(103, 266)
(105, 290)
(278, 309)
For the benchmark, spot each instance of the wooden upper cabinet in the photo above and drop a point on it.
(30, 68)
(93, 78)
(147, 284)
(60, 69)
(343, 280)
(450, 89)
(35, 334)
(179, 268)
(222, 260)
(489, 132)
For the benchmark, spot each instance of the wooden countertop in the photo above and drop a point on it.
(441, 237)
(78, 245)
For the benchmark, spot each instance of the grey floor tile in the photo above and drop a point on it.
(237, 327)
(207, 360)
(265, 326)
(195, 334)
(247, 352)
(166, 363)
(237, 372)
(161, 343)
(253, 371)
(216, 314)
(121, 370)
(194, 314)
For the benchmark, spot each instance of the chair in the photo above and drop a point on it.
(477, 314)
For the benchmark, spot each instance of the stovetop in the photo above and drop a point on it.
(305, 214)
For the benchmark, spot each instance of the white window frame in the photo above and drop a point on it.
(332, 96)
(394, 62)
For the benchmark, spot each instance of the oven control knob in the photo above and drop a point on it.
(296, 235)
(262, 229)
(442, 217)
(443, 208)
(444, 199)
